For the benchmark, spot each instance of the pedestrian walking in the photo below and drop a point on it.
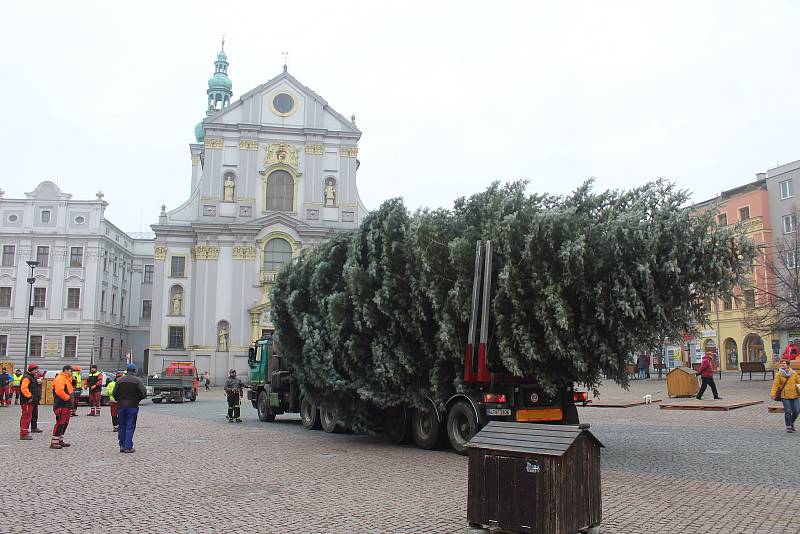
(128, 391)
(38, 376)
(786, 388)
(16, 380)
(5, 387)
(207, 380)
(706, 373)
(63, 396)
(77, 386)
(647, 368)
(30, 394)
(642, 365)
(233, 390)
(95, 384)
(112, 401)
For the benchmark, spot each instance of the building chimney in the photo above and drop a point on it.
(761, 176)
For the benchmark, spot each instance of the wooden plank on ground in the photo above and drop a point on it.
(618, 403)
(722, 405)
(775, 409)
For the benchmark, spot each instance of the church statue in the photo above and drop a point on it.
(330, 194)
(222, 339)
(177, 304)
(229, 187)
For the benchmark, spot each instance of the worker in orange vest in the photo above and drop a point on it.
(62, 406)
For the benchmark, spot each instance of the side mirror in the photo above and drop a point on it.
(251, 355)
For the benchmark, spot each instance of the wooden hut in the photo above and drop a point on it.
(682, 382)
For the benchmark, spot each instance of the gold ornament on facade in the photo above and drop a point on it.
(348, 151)
(205, 252)
(244, 252)
(213, 142)
(248, 144)
(160, 253)
(282, 154)
(315, 149)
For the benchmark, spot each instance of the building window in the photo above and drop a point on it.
(5, 297)
(114, 265)
(122, 306)
(175, 337)
(727, 303)
(4, 345)
(43, 256)
(113, 304)
(177, 266)
(70, 346)
(749, 298)
(148, 274)
(744, 213)
(147, 309)
(722, 219)
(791, 259)
(280, 191)
(8, 255)
(39, 297)
(105, 262)
(45, 216)
(100, 351)
(277, 252)
(787, 189)
(36, 346)
(73, 298)
(103, 300)
(111, 349)
(76, 257)
(789, 223)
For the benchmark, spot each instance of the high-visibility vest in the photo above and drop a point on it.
(76, 375)
(16, 380)
(94, 378)
(110, 390)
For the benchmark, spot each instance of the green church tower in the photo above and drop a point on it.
(219, 91)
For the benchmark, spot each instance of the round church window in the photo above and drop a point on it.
(80, 219)
(283, 103)
(13, 218)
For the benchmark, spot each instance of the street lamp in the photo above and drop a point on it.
(31, 280)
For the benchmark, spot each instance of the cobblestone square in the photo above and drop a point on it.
(663, 471)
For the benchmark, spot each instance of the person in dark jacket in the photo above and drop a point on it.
(128, 391)
(30, 393)
(233, 390)
(706, 373)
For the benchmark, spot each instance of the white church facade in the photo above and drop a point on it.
(272, 173)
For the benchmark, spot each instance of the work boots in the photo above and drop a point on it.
(26, 437)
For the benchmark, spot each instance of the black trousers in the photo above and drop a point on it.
(234, 406)
(707, 382)
(35, 416)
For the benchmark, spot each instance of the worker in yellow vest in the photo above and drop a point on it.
(77, 384)
(95, 384)
(112, 402)
(16, 380)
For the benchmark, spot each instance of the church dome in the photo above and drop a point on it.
(199, 132)
(219, 81)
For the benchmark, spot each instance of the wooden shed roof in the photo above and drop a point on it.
(549, 440)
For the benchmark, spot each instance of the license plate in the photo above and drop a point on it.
(498, 411)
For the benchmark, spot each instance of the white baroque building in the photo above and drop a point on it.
(272, 173)
(91, 289)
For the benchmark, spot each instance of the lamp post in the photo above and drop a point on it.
(31, 280)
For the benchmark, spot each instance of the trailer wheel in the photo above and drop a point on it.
(265, 413)
(425, 428)
(395, 425)
(329, 420)
(309, 415)
(462, 425)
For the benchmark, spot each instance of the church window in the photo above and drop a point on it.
(280, 191)
(277, 252)
(45, 216)
(283, 103)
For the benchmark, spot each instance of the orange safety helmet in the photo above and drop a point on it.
(76, 368)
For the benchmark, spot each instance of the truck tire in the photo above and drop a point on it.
(329, 420)
(425, 428)
(462, 425)
(309, 414)
(395, 425)
(265, 412)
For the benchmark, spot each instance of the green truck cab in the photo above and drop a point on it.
(273, 390)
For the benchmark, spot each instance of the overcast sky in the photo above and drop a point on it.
(449, 95)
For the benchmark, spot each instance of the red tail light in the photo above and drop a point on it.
(580, 396)
(494, 397)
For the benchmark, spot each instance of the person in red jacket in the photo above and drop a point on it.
(707, 376)
(792, 351)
